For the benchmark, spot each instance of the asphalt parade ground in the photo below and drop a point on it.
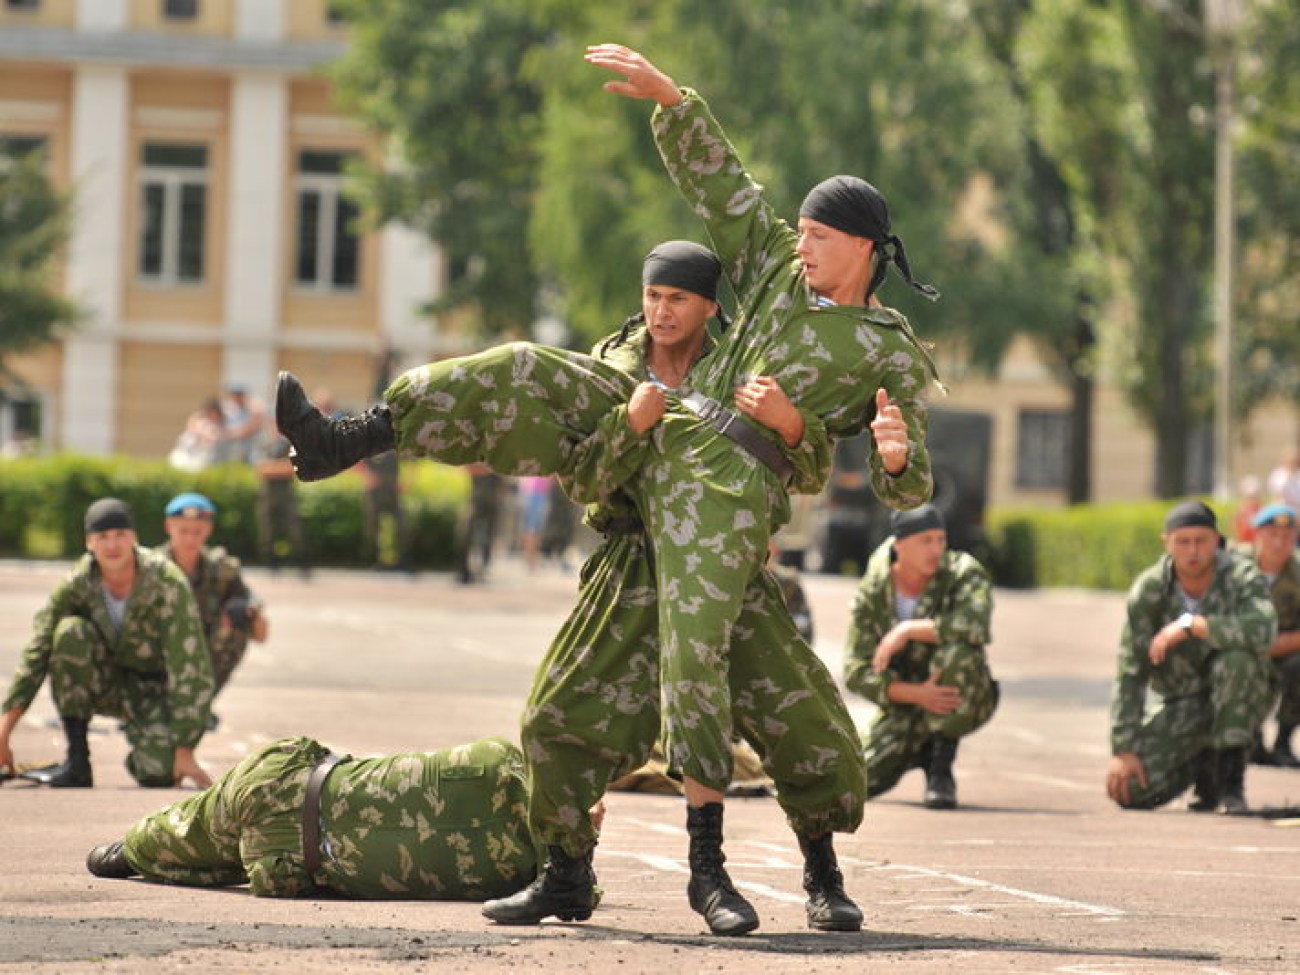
(1036, 872)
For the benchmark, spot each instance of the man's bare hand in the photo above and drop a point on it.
(938, 698)
(764, 400)
(646, 407)
(890, 433)
(889, 645)
(1170, 635)
(1123, 769)
(643, 79)
(186, 766)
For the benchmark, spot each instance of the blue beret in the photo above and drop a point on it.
(1275, 514)
(191, 504)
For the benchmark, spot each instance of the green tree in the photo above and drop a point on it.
(448, 87)
(34, 222)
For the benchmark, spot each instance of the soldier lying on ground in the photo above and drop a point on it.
(295, 819)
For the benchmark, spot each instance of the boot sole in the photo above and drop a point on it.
(849, 926)
(568, 916)
(735, 932)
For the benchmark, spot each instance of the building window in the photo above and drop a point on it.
(335, 16)
(329, 249)
(20, 425)
(22, 4)
(18, 146)
(173, 212)
(1042, 449)
(180, 9)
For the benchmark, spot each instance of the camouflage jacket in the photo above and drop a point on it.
(1286, 596)
(612, 455)
(217, 581)
(1240, 616)
(959, 599)
(830, 360)
(161, 636)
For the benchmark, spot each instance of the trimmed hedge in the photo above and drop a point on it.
(1100, 546)
(43, 501)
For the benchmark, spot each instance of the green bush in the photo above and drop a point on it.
(43, 501)
(1100, 546)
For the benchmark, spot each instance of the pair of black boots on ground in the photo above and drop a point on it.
(1220, 784)
(566, 887)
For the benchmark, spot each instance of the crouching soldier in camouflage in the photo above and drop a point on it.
(119, 636)
(294, 819)
(916, 650)
(1275, 554)
(231, 614)
(1197, 634)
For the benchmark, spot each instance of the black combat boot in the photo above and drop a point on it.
(109, 860)
(1232, 782)
(940, 787)
(322, 445)
(1205, 790)
(566, 888)
(1283, 757)
(74, 772)
(829, 908)
(710, 890)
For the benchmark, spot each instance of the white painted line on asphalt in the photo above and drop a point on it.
(1098, 910)
(1051, 780)
(670, 865)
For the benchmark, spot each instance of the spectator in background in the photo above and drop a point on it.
(1275, 555)
(200, 443)
(231, 614)
(534, 502)
(279, 522)
(477, 529)
(385, 517)
(1249, 503)
(245, 422)
(1284, 480)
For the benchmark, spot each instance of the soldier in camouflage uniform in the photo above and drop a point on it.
(231, 614)
(594, 710)
(916, 650)
(120, 636)
(1197, 634)
(444, 825)
(1275, 555)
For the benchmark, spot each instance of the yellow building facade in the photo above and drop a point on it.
(211, 244)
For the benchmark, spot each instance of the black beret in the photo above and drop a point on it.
(108, 513)
(923, 519)
(1191, 514)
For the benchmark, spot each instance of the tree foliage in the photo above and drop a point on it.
(34, 220)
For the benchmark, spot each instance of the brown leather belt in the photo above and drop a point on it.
(732, 425)
(311, 811)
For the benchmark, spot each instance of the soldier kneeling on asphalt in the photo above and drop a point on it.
(916, 649)
(294, 820)
(1197, 635)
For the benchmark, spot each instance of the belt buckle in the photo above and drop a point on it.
(724, 420)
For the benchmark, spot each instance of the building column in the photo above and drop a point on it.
(259, 20)
(255, 257)
(95, 257)
(409, 278)
(102, 15)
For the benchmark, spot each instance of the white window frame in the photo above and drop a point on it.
(329, 187)
(173, 180)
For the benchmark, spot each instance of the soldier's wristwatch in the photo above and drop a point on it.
(1185, 623)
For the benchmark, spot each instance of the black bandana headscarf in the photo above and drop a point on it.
(683, 264)
(856, 207)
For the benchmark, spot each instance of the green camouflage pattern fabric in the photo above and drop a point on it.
(594, 711)
(156, 675)
(218, 580)
(1211, 693)
(960, 601)
(796, 600)
(443, 825)
(1285, 593)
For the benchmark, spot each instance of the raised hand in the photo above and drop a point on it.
(645, 408)
(890, 433)
(642, 79)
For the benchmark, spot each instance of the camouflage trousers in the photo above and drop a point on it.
(899, 736)
(437, 825)
(595, 709)
(1286, 680)
(1224, 717)
(227, 649)
(710, 506)
(86, 680)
